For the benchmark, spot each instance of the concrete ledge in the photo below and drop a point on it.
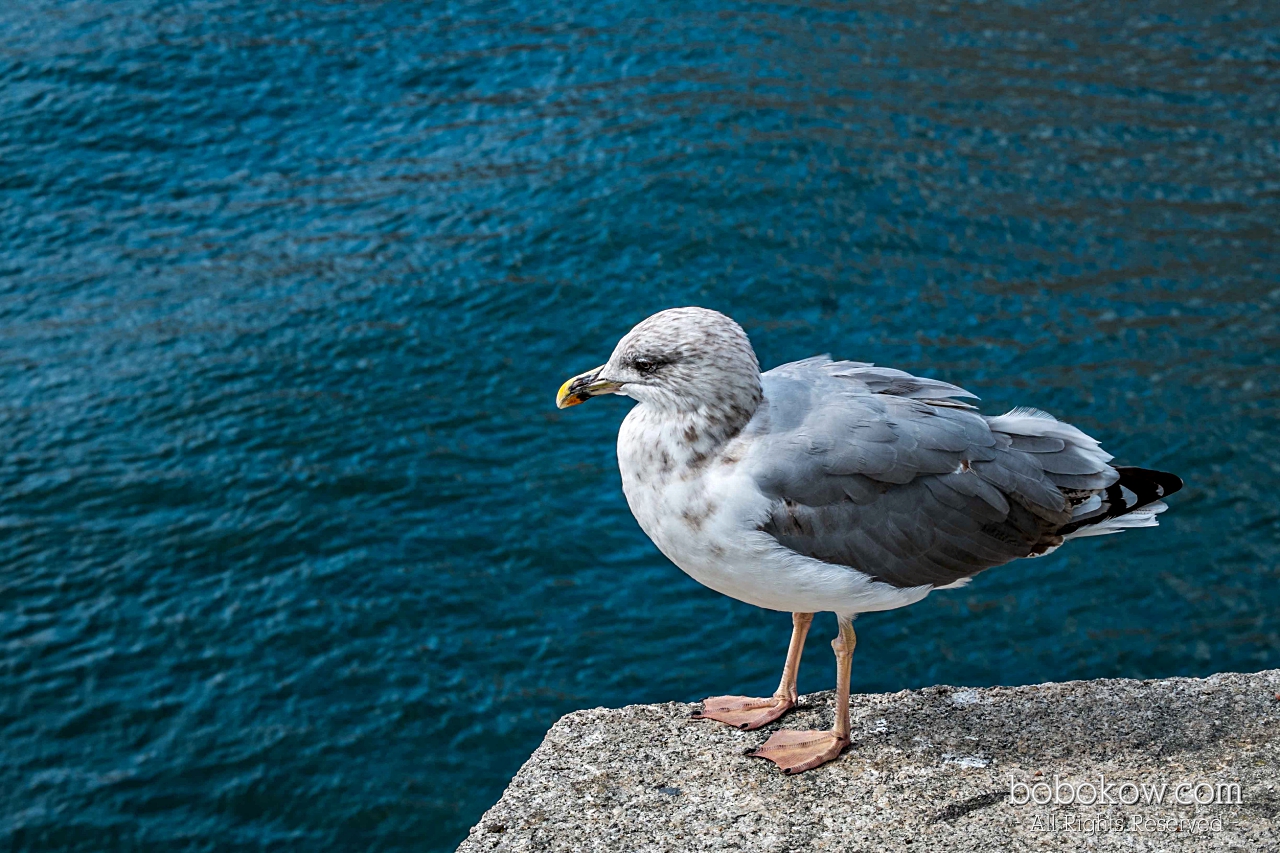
(928, 770)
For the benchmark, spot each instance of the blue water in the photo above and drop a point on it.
(298, 553)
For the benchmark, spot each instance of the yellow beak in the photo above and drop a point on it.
(582, 386)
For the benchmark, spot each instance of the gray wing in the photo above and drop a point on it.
(881, 471)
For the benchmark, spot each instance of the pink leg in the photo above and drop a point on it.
(745, 712)
(796, 752)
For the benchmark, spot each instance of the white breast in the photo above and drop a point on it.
(704, 515)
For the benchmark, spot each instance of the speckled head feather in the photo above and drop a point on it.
(689, 360)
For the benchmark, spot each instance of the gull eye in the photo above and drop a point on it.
(645, 364)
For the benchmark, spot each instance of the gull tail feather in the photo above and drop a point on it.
(1132, 501)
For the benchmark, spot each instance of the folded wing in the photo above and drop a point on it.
(887, 473)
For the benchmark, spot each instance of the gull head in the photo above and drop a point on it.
(682, 360)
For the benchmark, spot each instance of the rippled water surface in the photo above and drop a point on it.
(298, 553)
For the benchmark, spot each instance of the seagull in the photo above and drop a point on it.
(838, 486)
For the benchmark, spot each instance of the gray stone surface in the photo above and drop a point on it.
(928, 770)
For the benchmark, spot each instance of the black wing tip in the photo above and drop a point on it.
(1143, 479)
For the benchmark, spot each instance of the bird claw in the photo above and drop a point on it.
(795, 752)
(743, 712)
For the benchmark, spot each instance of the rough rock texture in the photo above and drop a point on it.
(928, 770)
